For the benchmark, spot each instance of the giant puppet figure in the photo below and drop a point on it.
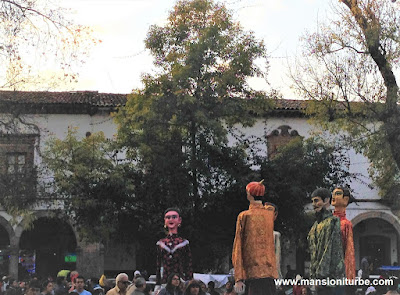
(341, 197)
(253, 255)
(325, 242)
(173, 252)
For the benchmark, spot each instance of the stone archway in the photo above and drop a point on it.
(49, 246)
(377, 214)
(376, 234)
(89, 256)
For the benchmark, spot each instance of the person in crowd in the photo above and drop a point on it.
(31, 290)
(193, 288)
(48, 288)
(173, 251)
(34, 283)
(140, 284)
(182, 286)
(280, 291)
(172, 287)
(211, 288)
(5, 282)
(370, 291)
(121, 285)
(145, 275)
(297, 287)
(132, 287)
(21, 287)
(12, 288)
(203, 288)
(306, 291)
(73, 275)
(365, 267)
(290, 273)
(229, 289)
(105, 284)
(136, 274)
(96, 289)
(61, 286)
(80, 286)
(392, 289)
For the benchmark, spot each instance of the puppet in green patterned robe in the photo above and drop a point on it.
(324, 239)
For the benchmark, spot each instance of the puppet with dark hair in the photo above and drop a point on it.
(341, 198)
(325, 242)
(173, 251)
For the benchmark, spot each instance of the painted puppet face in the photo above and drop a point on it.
(318, 203)
(172, 220)
(338, 200)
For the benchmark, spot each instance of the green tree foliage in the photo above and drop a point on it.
(175, 128)
(18, 192)
(91, 184)
(294, 173)
(349, 66)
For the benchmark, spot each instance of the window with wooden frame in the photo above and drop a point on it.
(16, 164)
(17, 173)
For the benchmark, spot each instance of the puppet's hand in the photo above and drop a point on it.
(239, 287)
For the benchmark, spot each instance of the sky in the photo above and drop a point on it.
(118, 62)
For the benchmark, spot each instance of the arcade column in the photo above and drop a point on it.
(90, 259)
(13, 261)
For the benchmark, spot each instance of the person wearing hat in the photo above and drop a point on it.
(341, 198)
(253, 254)
(325, 242)
(173, 251)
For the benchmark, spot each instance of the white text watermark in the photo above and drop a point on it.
(334, 282)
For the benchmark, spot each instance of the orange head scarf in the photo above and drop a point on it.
(256, 189)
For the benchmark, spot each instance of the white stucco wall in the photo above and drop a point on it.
(57, 125)
(363, 188)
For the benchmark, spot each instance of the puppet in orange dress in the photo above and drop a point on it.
(341, 197)
(253, 254)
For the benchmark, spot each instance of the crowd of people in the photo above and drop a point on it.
(71, 282)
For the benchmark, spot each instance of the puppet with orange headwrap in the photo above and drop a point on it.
(253, 254)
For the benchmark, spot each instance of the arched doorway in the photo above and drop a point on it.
(47, 248)
(376, 238)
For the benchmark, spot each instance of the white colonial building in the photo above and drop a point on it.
(28, 119)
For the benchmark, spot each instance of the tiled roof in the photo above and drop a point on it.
(45, 101)
(291, 104)
(92, 98)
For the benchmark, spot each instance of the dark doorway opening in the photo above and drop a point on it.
(51, 245)
(377, 247)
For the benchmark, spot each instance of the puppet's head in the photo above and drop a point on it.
(320, 199)
(172, 220)
(255, 190)
(341, 197)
